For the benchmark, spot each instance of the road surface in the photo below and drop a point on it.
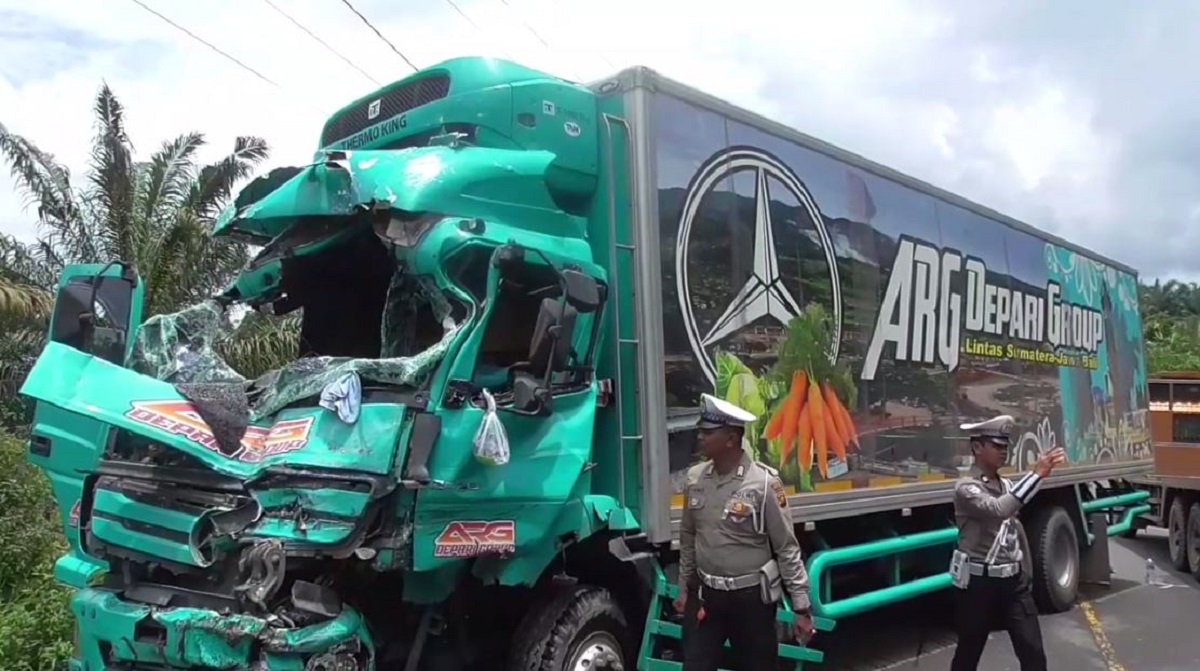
(1128, 626)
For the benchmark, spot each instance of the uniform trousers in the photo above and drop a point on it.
(739, 616)
(981, 604)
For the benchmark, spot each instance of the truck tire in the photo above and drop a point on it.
(1193, 539)
(1055, 545)
(1177, 525)
(576, 628)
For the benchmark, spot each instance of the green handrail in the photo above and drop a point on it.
(1115, 501)
(1127, 519)
(821, 563)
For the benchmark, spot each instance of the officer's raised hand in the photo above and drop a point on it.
(1047, 462)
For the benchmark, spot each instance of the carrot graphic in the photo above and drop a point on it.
(790, 413)
(837, 414)
(804, 438)
(823, 462)
(818, 425)
(851, 430)
(775, 427)
(836, 442)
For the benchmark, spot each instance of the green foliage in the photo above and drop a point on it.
(807, 348)
(35, 623)
(739, 385)
(1171, 320)
(156, 214)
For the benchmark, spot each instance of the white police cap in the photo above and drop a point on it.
(995, 429)
(715, 413)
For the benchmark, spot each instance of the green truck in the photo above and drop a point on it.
(513, 290)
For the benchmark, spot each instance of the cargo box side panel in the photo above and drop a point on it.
(939, 314)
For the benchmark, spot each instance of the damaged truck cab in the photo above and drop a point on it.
(338, 513)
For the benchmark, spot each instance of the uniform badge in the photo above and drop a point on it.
(740, 506)
(780, 492)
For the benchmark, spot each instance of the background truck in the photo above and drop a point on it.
(593, 257)
(1174, 486)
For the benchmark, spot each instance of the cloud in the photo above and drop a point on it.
(1073, 116)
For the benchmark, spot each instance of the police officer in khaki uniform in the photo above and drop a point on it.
(992, 567)
(738, 550)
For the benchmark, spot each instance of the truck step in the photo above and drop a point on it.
(659, 628)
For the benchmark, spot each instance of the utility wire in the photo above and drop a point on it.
(527, 26)
(380, 35)
(322, 42)
(481, 31)
(546, 44)
(208, 44)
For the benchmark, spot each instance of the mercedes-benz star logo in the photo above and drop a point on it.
(764, 294)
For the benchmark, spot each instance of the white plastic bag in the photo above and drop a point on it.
(491, 442)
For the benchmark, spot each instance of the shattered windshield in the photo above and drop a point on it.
(416, 329)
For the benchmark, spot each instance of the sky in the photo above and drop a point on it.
(1077, 117)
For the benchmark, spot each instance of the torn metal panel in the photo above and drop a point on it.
(448, 179)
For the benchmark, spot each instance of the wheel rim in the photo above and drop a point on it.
(1063, 557)
(600, 650)
(1175, 537)
(1193, 543)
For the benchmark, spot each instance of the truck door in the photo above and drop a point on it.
(97, 309)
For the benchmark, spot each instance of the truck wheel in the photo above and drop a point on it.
(1055, 548)
(1177, 524)
(1193, 539)
(576, 629)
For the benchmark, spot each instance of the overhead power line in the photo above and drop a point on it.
(380, 35)
(322, 42)
(474, 25)
(527, 26)
(208, 44)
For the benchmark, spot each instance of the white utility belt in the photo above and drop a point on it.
(994, 570)
(730, 584)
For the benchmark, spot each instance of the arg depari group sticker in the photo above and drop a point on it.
(181, 419)
(472, 539)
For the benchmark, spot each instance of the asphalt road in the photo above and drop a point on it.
(1126, 626)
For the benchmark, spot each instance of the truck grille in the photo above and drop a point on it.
(391, 103)
(163, 520)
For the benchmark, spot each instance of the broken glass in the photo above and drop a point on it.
(181, 348)
(306, 377)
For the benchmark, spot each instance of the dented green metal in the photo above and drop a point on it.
(303, 481)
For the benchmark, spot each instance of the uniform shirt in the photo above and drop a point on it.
(720, 530)
(983, 507)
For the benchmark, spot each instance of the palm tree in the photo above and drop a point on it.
(157, 215)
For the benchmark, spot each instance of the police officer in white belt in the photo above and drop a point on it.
(738, 550)
(991, 567)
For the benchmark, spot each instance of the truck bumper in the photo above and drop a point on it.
(124, 636)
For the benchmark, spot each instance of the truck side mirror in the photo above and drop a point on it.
(583, 293)
(552, 335)
(95, 312)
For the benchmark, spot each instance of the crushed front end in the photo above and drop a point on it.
(221, 522)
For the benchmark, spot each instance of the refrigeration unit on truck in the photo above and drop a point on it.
(1174, 486)
(481, 244)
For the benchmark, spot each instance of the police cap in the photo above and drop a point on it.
(995, 429)
(715, 413)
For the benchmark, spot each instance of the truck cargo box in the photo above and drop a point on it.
(940, 311)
